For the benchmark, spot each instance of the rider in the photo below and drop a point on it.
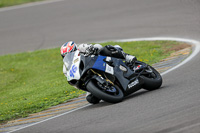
(96, 49)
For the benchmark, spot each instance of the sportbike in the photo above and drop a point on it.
(109, 78)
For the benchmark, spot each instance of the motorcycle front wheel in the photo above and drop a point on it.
(111, 93)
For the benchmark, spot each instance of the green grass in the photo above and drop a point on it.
(147, 51)
(33, 81)
(4, 3)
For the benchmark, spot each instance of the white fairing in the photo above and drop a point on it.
(72, 62)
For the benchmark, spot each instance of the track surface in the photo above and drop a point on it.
(173, 108)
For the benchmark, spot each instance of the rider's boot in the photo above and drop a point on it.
(130, 59)
(92, 99)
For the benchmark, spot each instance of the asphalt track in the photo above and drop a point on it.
(174, 108)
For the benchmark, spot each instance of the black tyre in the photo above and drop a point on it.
(92, 99)
(153, 80)
(98, 91)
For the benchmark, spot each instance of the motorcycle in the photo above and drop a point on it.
(108, 78)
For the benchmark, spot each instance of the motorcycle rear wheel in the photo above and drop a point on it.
(152, 81)
(98, 92)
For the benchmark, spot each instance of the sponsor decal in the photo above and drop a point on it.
(68, 78)
(76, 60)
(109, 69)
(134, 83)
(123, 68)
(138, 67)
(108, 58)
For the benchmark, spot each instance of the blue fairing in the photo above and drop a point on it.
(100, 64)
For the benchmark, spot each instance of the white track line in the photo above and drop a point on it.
(49, 118)
(189, 41)
(28, 5)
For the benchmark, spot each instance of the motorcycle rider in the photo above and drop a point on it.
(96, 49)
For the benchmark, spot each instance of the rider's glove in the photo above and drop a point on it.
(91, 50)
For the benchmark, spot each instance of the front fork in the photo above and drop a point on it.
(101, 78)
(104, 84)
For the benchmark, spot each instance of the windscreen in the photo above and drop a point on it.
(68, 60)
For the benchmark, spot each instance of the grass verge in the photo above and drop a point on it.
(33, 81)
(5, 3)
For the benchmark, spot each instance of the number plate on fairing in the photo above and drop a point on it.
(109, 69)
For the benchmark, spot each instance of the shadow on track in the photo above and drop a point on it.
(134, 95)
